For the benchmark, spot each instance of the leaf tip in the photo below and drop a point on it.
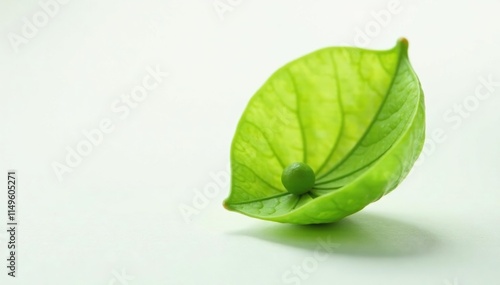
(403, 44)
(225, 204)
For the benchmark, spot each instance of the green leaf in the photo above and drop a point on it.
(355, 116)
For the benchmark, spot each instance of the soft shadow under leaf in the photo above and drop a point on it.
(362, 234)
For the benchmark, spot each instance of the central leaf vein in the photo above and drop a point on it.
(301, 125)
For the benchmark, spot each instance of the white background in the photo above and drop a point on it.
(116, 218)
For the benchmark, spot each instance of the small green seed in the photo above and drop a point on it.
(298, 178)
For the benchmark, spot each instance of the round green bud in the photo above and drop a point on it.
(298, 178)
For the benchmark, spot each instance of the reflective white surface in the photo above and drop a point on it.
(117, 216)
